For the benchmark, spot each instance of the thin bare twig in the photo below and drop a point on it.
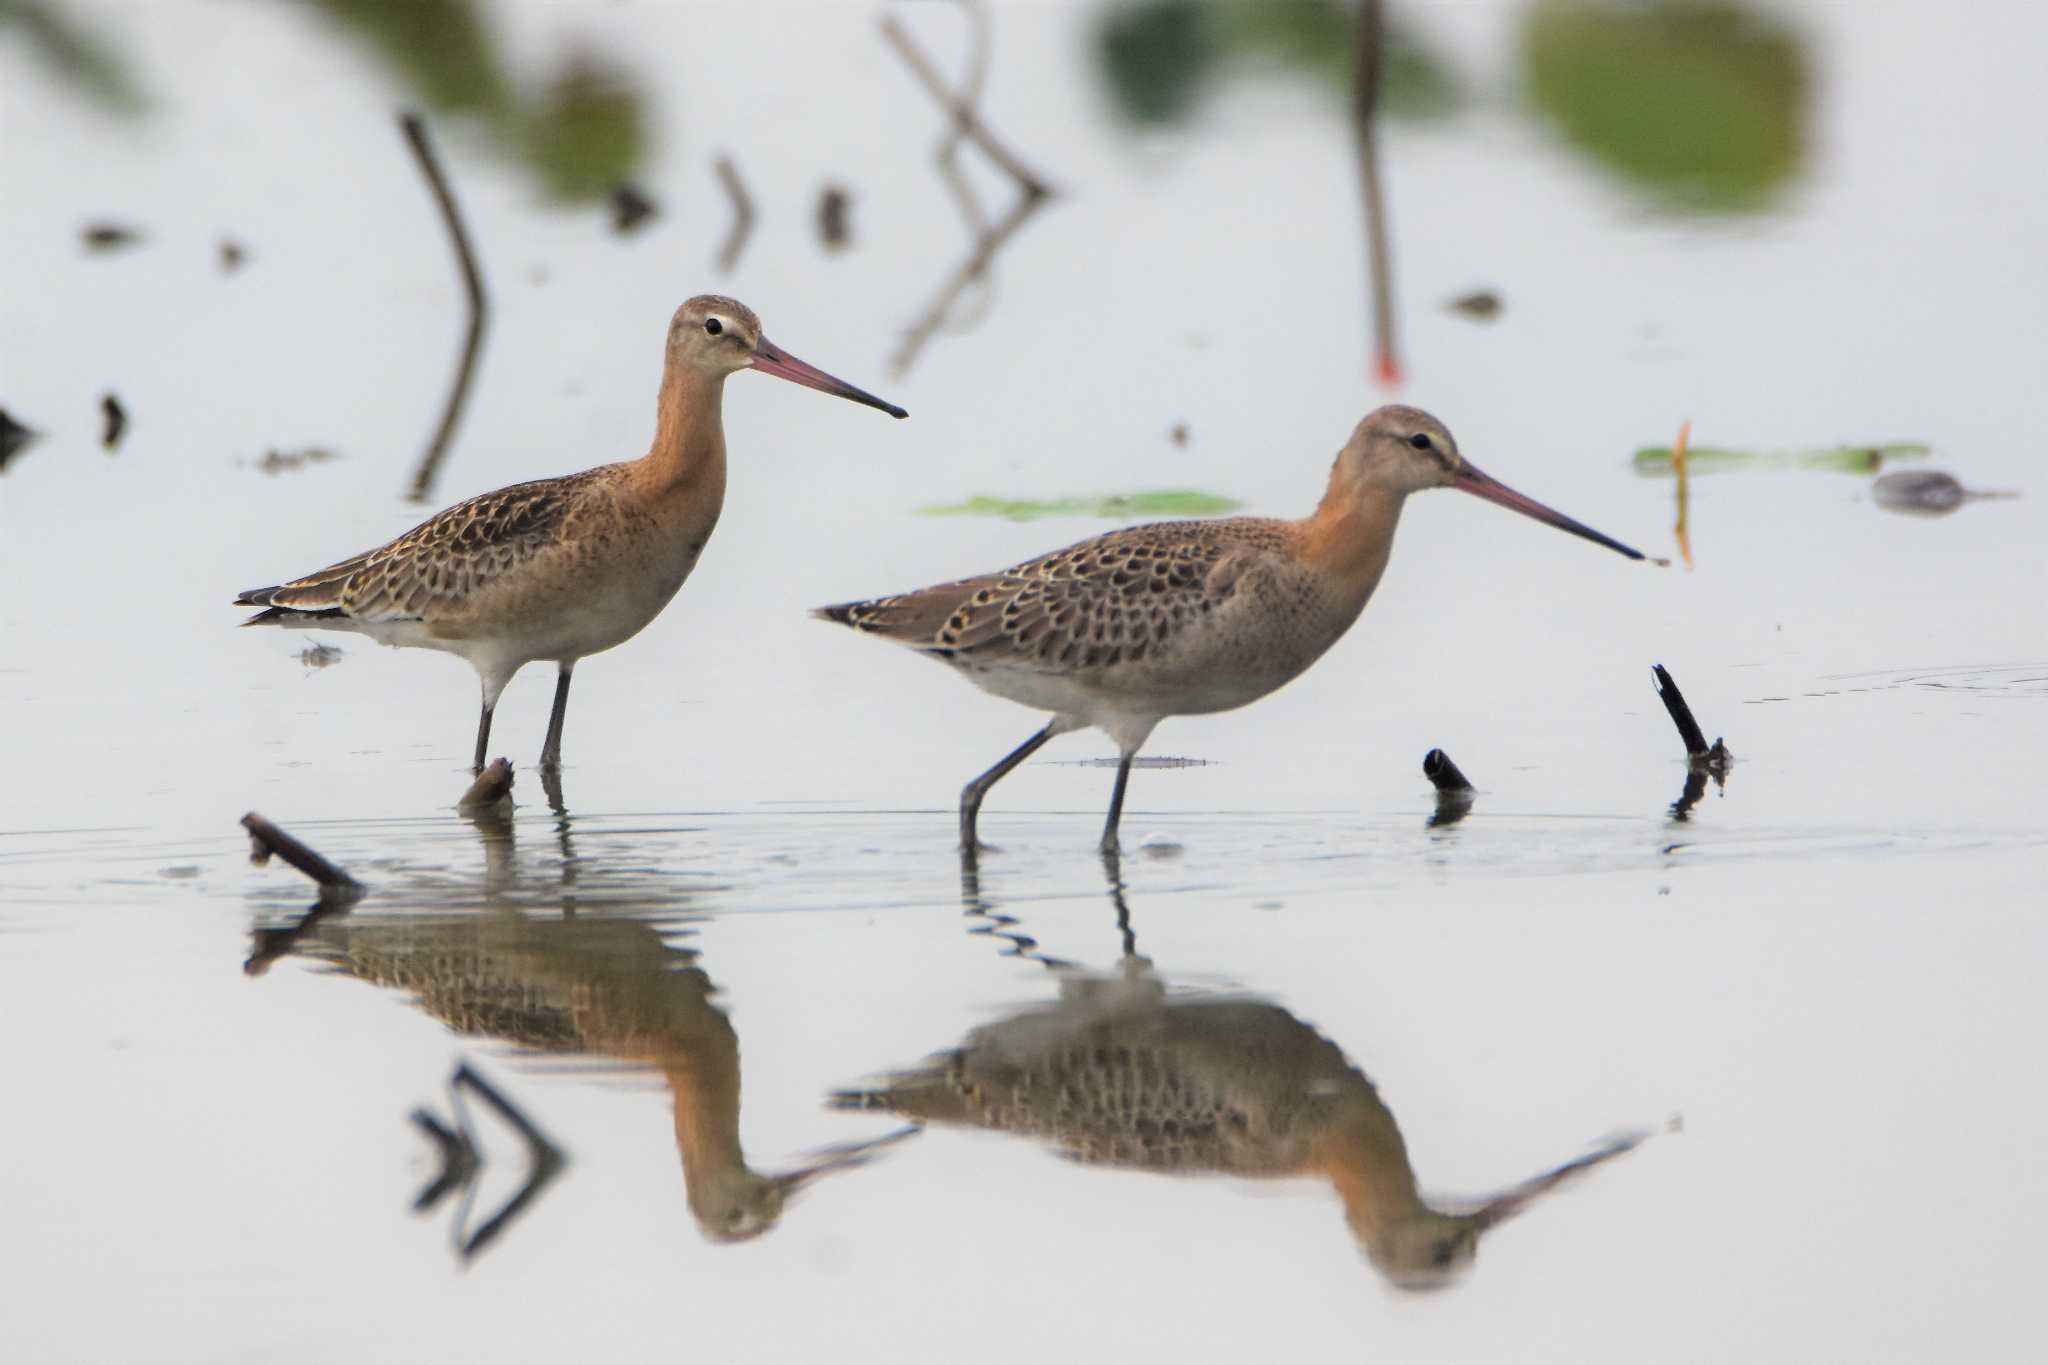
(947, 155)
(742, 214)
(415, 130)
(1379, 252)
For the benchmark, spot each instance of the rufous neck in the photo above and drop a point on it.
(1350, 534)
(689, 435)
(705, 1088)
(1366, 1161)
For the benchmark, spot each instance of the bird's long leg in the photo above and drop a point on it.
(971, 794)
(483, 738)
(1116, 801)
(551, 750)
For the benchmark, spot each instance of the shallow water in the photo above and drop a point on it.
(1826, 967)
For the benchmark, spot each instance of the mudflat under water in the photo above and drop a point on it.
(1826, 968)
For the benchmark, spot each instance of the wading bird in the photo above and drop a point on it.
(1183, 617)
(560, 568)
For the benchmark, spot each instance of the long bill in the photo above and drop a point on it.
(772, 359)
(844, 1156)
(1483, 485)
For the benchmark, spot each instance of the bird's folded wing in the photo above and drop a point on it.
(440, 563)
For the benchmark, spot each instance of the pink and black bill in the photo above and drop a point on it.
(772, 359)
(1493, 490)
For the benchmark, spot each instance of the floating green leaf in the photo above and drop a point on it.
(1655, 461)
(1702, 103)
(75, 53)
(1165, 502)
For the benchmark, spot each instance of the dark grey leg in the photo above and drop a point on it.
(551, 750)
(1116, 803)
(970, 796)
(483, 738)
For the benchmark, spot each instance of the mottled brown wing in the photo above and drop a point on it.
(443, 560)
(1114, 598)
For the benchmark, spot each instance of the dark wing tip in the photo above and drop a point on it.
(256, 597)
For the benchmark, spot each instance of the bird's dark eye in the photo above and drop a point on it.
(1420, 440)
(713, 326)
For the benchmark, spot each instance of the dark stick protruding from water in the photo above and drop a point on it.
(415, 130)
(1715, 756)
(266, 839)
(1444, 774)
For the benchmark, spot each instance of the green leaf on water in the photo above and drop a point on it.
(1655, 461)
(1162, 502)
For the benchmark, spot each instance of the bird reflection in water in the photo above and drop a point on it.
(1124, 1071)
(606, 986)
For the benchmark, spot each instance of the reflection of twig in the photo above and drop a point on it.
(1365, 95)
(742, 214)
(947, 156)
(973, 268)
(964, 125)
(338, 890)
(965, 121)
(415, 130)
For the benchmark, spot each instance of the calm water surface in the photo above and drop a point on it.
(1826, 969)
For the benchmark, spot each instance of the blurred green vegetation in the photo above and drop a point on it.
(1163, 502)
(74, 53)
(1700, 103)
(1161, 57)
(581, 131)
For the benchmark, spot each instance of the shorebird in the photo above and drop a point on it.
(566, 567)
(1183, 617)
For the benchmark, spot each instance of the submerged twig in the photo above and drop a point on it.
(1379, 252)
(742, 213)
(415, 130)
(544, 1162)
(1714, 758)
(965, 125)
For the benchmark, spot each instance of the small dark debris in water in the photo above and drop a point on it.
(835, 217)
(108, 236)
(1179, 434)
(277, 461)
(492, 785)
(233, 255)
(319, 656)
(1481, 305)
(1713, 758)
(631, 208)
(1925, 492)
(13, 437)
(116, 422)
